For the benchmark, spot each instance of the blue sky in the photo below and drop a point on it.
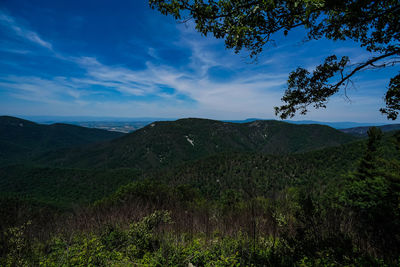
(122, 59)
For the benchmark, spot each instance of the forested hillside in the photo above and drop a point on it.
(167, 143)
(62, 187)
(20, 140)
(263, 193)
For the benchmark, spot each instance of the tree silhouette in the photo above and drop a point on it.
(250, 25)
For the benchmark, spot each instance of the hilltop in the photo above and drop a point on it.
(170, 142)
(22, 139)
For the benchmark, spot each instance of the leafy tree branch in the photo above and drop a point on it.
(305, 89)
(250, 25)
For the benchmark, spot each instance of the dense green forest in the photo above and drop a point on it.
(324, 199)
(20, 140)
(162, 144)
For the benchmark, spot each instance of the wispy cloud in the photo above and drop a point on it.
(193, 83)
(40, 90)
(242, 93)
(91, 85)
(21, 31)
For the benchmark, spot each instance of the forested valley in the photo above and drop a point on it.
(245, 204)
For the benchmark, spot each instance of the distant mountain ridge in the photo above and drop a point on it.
(77, 119)
(74, 119)
(362, 131)
(170, 142)
(336, 125)
(21, 139)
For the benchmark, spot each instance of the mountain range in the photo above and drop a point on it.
(57, 163)
(165, 143)
(78, 120)
(161, 143)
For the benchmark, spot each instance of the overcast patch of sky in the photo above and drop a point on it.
(123, 59)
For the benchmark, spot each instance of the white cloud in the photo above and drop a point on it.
(39, 89)
(252, 92)
(242, 95)
(11, 23)
(246, 92)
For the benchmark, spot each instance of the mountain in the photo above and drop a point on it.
(66, 187)
(267, 172)
(362, 131)
(165, 143)
(21, 139)
(336, 125)
(78, 120)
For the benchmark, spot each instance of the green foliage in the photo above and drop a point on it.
(62, 187)
(165, 144)
(145, 243)
(82, 251)
(22, 140)
(251, 25)
(305, 89)
(232, 175)
(392, 98)
(113, 237)
(143, 235)
(15, 246)
(334, 206)
(372, 193)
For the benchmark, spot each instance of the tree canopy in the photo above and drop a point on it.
(250, 24)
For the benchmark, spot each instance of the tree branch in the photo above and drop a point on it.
(363, 65)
